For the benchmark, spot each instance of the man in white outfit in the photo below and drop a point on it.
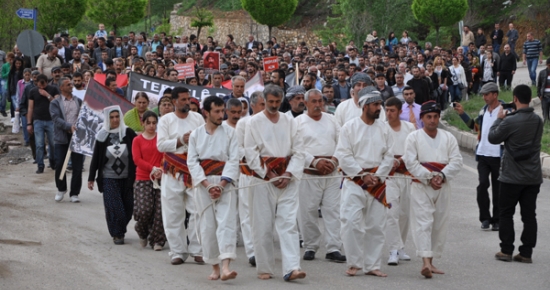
(176, 195)
(364, 148)
(214, 163)
(319, 132)
(257, 104)
(398, 188)
(433, 157)
(350, 108)
(273, 149)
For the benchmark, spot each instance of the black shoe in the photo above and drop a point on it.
(309, 255)
(320, 214)
(495, 227)
(4, 113)
(485, 225)
(118, 241)
(34, 162)
(252, 261)
(336, 257)
(301, 243)
(40, 170)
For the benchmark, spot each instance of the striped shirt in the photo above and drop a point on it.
(532, 49)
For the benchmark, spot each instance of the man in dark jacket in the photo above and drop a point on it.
(64, 111)
(520, 174)
(480, 38)
(507, 67)
(543, 91)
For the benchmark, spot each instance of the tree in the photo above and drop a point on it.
(58, 15)
(116, 13)
(439, 13)
(202, 18)
(270, 13)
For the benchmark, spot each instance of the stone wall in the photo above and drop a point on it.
(240, 25)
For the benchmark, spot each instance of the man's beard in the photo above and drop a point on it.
(184, 109)
(78, 86)
(272, 110)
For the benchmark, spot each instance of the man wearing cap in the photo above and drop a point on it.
(56, 75)
(385, 91)
(488, 155)
(363, 152)
(295, 97)
(543, 90)
(350, 109)
(432, 156)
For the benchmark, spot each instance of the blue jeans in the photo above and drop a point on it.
(41, 128)
(24, 128)
(456, 93)
(3, 95)
(532, 67)
(496, 48)
(465, 48)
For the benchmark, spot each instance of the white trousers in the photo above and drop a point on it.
(397, 225)
(363, 224)
(244, 214)
(271, 206)
(217, 222)
(430, 217)
(175, 199)
(325, 193)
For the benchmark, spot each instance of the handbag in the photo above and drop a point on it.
(461, 86)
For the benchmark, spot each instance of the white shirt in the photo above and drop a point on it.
(79, 93)
(420, 148)
(363, 146)
(264, 138)
(319, 137)
(239, 130)
(171, 128)
(399, 137)
(348, 110)
(485, 148)
(222, 145)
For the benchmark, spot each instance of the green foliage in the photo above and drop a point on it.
(202, 18)
(58, 15)
(228, 5)
(270, 13)
(165, 26)
(10, 24)
(162, 7)
(333, 30)
(439, 13)
(116, 14)
(186, 6)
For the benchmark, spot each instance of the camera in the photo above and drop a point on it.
(509, 106)
(453, 105)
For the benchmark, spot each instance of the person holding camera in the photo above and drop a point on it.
(520, 173)
(488, 155)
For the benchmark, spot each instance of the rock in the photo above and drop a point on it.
(3, 147)
(14, 143)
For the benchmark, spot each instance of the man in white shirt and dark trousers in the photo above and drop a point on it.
(487, 155)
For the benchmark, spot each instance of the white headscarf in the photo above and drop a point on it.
(101, 136)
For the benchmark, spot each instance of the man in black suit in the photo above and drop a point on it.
(251, 42)
(64, 52)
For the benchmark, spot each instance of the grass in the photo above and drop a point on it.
(473, 106)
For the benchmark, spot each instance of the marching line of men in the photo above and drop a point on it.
(286, 168)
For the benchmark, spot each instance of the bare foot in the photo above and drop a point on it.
(264, 276)
(215, 275)
(376, 273)
(436, 271)
(352, 271)
(426, 272)
(297, 274)
(229, 275)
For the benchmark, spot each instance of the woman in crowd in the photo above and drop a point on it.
(476, 76)
(192, 81)
(20, 89)
(88, 75)
(14, 76)
(195, 106)
(133, 117)
(442, 79)
(113, 165)
(161, 69)
(165, 105)
(147, 206)
(489, 69)
(392, 40)
(458, 80)
(201, 77)
(390, 76)
(150, 71)
(405, 39)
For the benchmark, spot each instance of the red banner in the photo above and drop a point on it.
(121, 79)
(271, 63)
(185, 70)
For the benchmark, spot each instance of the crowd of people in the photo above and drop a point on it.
(194, 173)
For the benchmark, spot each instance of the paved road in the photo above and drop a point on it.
(44, 244)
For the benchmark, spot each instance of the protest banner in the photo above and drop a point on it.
(180, 49)
(211, 62)
(271, 63)
(121, 79)
(185, 70)
(90, 117)
(154, 87)
(256, 83)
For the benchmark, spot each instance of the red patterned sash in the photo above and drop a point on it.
(315, 171)
(432, 167)
(212, 167)
(378, 191)
(177, 163)
(276, 164)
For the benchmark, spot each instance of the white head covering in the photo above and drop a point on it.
(367, 96)
(101, 136)
(243, 99)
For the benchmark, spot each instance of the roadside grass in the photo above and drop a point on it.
(473, 106)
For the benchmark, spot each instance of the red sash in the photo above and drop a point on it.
(212, 167)
(432, 167)
(315, 171)
(276, 164)
(177, 163)
(378, 191)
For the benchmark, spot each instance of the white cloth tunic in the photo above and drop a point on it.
(348, 110)
(429, 207)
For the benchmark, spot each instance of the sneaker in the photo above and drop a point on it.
(495, 227)
(12, 120)
(402, 255)
(143, 242)
(59, 195)
(335, 257)
(40, 170)
(252, 261)
(75, 199)
(158, 247)
(485, 225)
(393, 260)
(118, 241)
(503, 257)
(522, 259)
(309, 255)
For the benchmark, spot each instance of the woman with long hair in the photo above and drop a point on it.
(150, 71)
(405, 39)
(113, 168)
(458, 80)
(390, 76)
(392, 40)
(88, 75)
(14, 76)
(201, 77)
(147, 206)
(442, 80)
